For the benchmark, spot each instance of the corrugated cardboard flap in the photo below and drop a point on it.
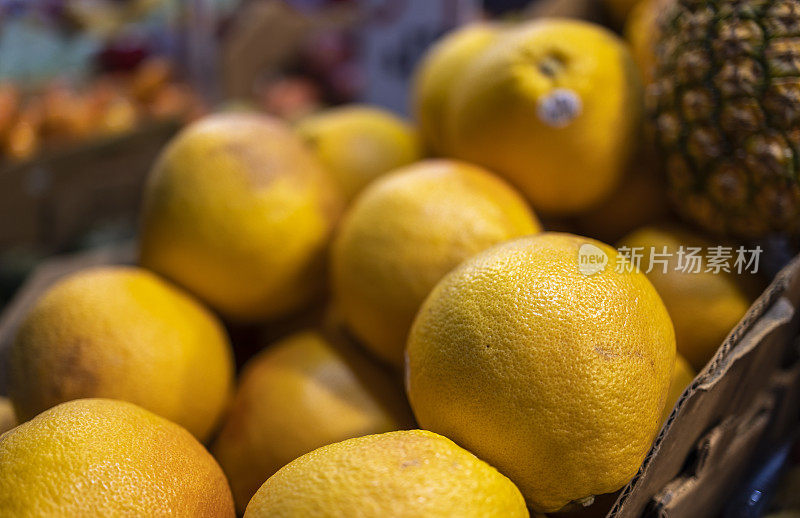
(743, 398)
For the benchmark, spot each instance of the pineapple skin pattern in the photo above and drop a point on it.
(725, 102)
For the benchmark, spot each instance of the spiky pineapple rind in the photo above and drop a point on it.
(725, 105)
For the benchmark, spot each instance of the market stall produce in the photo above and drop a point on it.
(567, 285)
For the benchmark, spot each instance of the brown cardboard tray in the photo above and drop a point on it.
(52, 199)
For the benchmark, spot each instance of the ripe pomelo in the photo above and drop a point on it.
(404, 474)
(239, 212)
(299, 394)
(554, 373)
(108, 458)
(406, 231)
(123, 333)
(359, 143)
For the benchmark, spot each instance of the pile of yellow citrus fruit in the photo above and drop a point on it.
(469, 362)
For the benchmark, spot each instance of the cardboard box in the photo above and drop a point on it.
(746, 398)
(51, 200)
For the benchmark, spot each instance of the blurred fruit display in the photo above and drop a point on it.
(291, 58)
(359, 143)
(619, 10)
(74, 72)
(433, 81)
(309, 285)
(705, 306)
(111, 104)
(535, 102)
(310, 391)
(394, 37)
(246, 186)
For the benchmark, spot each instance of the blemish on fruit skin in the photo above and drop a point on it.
(260, 168)
(551, 65)
(608, 355)
(611, 355)
(72, 369)
(413, 463)
(311, 141)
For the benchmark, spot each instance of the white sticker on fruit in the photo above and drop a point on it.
(559, 108)
(591, 259)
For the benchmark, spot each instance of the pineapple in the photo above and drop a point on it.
(725, 105)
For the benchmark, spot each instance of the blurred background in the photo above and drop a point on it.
(91, 89)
